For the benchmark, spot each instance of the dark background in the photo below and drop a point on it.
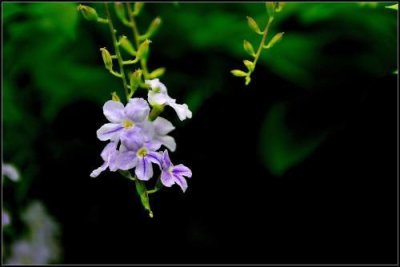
(336, 203)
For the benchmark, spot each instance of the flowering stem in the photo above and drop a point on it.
(135, 31)
(260, 48)
(117, 52)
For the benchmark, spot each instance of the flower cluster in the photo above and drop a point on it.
(136, 141)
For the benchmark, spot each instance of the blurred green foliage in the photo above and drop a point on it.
(52, 58)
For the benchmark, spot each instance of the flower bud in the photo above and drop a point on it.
(277, 37)
(249, 65)
(248, 48)
(155, 24)
(253, 25)
(238, 73)
(115, 97)
(143, 49)
(270, 8)
(88, 12)
(137, 8)
(106, 58)
(247, 80)
(120, 11)
(156, 73)
(135, 80)
(126, 45)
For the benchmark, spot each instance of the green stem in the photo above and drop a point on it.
(135, 31)
(265, 33)
(117, 52)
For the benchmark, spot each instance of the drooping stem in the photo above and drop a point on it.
(117, 52)
(135, 32)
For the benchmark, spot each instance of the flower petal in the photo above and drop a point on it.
(114, 111)
(155, 84)
(162, 126)
(154, 157)
(168, 141)
(166, 162)
(99, 170)
(179, 180)
(182, 170)
(126, 160)
(144, 169)
(108, 150)
(167, 179)
(133, 138)
(182, 110)
(137, 109)
(10, 171)
(157, 98)
(109, 131)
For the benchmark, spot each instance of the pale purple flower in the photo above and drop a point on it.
(158, 95)
(109, 155)
(5, 218)
(139, 153)
(157, 131)
(10, 171)
(171, 174)
(122, 118)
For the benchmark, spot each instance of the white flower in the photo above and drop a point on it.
(158, 95)
(10, 171)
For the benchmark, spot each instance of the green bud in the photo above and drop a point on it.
(156, 73)
(238, 73)
(144, 198)
(115, 97)
(253, 25)
(249, 65)
(155, 24)
(120, 11)
(137, 8)
(126, 45)
(270, 8)
(277, 37)
(135, 80)
(249, 48)
(279, 6)
(394, 7)
(88, 12)
(247, 80)
(143, 49)
(106, 58)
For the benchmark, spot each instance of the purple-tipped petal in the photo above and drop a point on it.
(109, 131)
(114, 111)
(162, 126)
(126, 160)
(144, 170)
(99, 170)
(167, 179)
(179, 180)
(137, 109)
(166, 162)
(182, 170)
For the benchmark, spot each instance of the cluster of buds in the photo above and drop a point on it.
(272, 8)
(137, 136)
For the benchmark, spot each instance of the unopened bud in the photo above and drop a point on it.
(143, 49)
(127, 45)
(238, 73)
(137, 8)
(248, 48)
(106, 58)
(88, 12)
(155, 24)
(115, 97)
(135, 80)
(156, 73)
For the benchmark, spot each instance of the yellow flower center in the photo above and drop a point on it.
(142, 152)
(128, 124)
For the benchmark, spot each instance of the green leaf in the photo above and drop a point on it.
(279, 147)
